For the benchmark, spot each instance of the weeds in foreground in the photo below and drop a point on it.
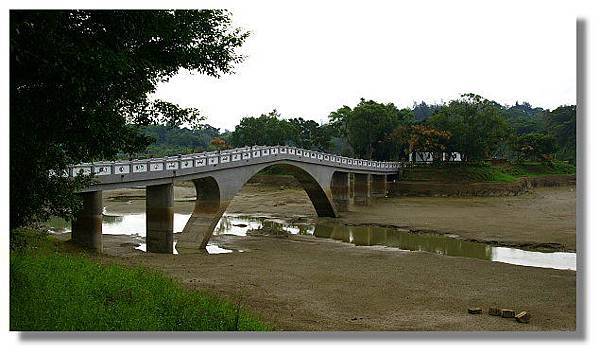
(52, 290)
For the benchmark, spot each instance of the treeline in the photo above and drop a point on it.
(476, 127)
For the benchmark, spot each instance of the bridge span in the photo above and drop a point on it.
(218, 176)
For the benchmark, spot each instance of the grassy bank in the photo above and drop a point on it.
(55, 290)
(485, 172)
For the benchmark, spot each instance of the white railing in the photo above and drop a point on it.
(225, 157)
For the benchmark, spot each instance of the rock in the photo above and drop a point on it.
(243, 225)
(494, 311)
(507, 313)
(523, 317)
(474, 310)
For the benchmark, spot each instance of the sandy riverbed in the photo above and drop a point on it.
(302, 283)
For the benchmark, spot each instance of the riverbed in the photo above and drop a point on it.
(297, 280)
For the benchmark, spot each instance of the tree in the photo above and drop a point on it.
(218, 143)
(535, 146)
(367, 125)
(423, 111)
(562, 124)
(79, 85)
(525, 119)
(422, 138)
(267, 129)
(477, 126)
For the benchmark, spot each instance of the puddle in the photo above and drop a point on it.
(449, 245)
(400, 239)
(135, 225)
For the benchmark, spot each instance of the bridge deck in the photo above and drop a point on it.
(154, 171)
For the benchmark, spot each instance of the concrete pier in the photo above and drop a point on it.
(340, 189)
(362, 189)
(208, 210)
(86, 229)
(159, 219)
(379, 185)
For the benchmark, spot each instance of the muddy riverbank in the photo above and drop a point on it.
(307, 283)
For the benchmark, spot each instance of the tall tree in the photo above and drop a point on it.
(367, 125)
(477, 126)
(79, 85)
(266, 129)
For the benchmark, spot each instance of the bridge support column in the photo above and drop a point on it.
(86, 228)
(159, 219)
(207, 212)
(340, 189)
(362, 189)
(379, 185)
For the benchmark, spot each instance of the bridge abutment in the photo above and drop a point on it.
(159, 219)
(379, 185)
(340, 190)
(362, 189)
(86, 228)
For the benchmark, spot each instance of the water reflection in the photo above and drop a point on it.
(396, 238)
(405, 240)
(243, 225)
(135, 225)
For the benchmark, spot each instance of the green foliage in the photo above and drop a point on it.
(272, 129)
(367, 126)
(175, 140)
(452, 173)
(423, 111)
(24, 239)
(562, 124)
(538, 168)
(53, 291)
(478, 126)
(79, 85)
(267, 129)
(525, 119)
(535, 146)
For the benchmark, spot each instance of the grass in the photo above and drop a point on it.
(486, 172)
(54, 290)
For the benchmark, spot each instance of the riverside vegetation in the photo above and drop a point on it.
(55, 287)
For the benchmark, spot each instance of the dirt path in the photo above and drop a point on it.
(302, 283)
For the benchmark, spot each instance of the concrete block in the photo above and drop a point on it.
(523, 317)
(494, 311)
(507, 313)
(474, 310)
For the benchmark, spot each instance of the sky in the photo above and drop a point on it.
(307, 61)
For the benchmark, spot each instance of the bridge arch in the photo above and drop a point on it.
(215, 191)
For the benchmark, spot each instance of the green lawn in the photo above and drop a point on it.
(485, 172)
(56, 290)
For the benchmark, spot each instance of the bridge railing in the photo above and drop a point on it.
(216, 158)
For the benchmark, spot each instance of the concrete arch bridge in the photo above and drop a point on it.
(218, 177)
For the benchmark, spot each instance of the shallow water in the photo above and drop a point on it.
(442, 244)
(399, 239)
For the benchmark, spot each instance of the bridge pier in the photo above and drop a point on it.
(159, 219)
(340, 189)
(86, 228)
(379, 185)
(208, 210)
(362, 189)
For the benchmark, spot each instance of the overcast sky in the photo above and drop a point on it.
(309, 61)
